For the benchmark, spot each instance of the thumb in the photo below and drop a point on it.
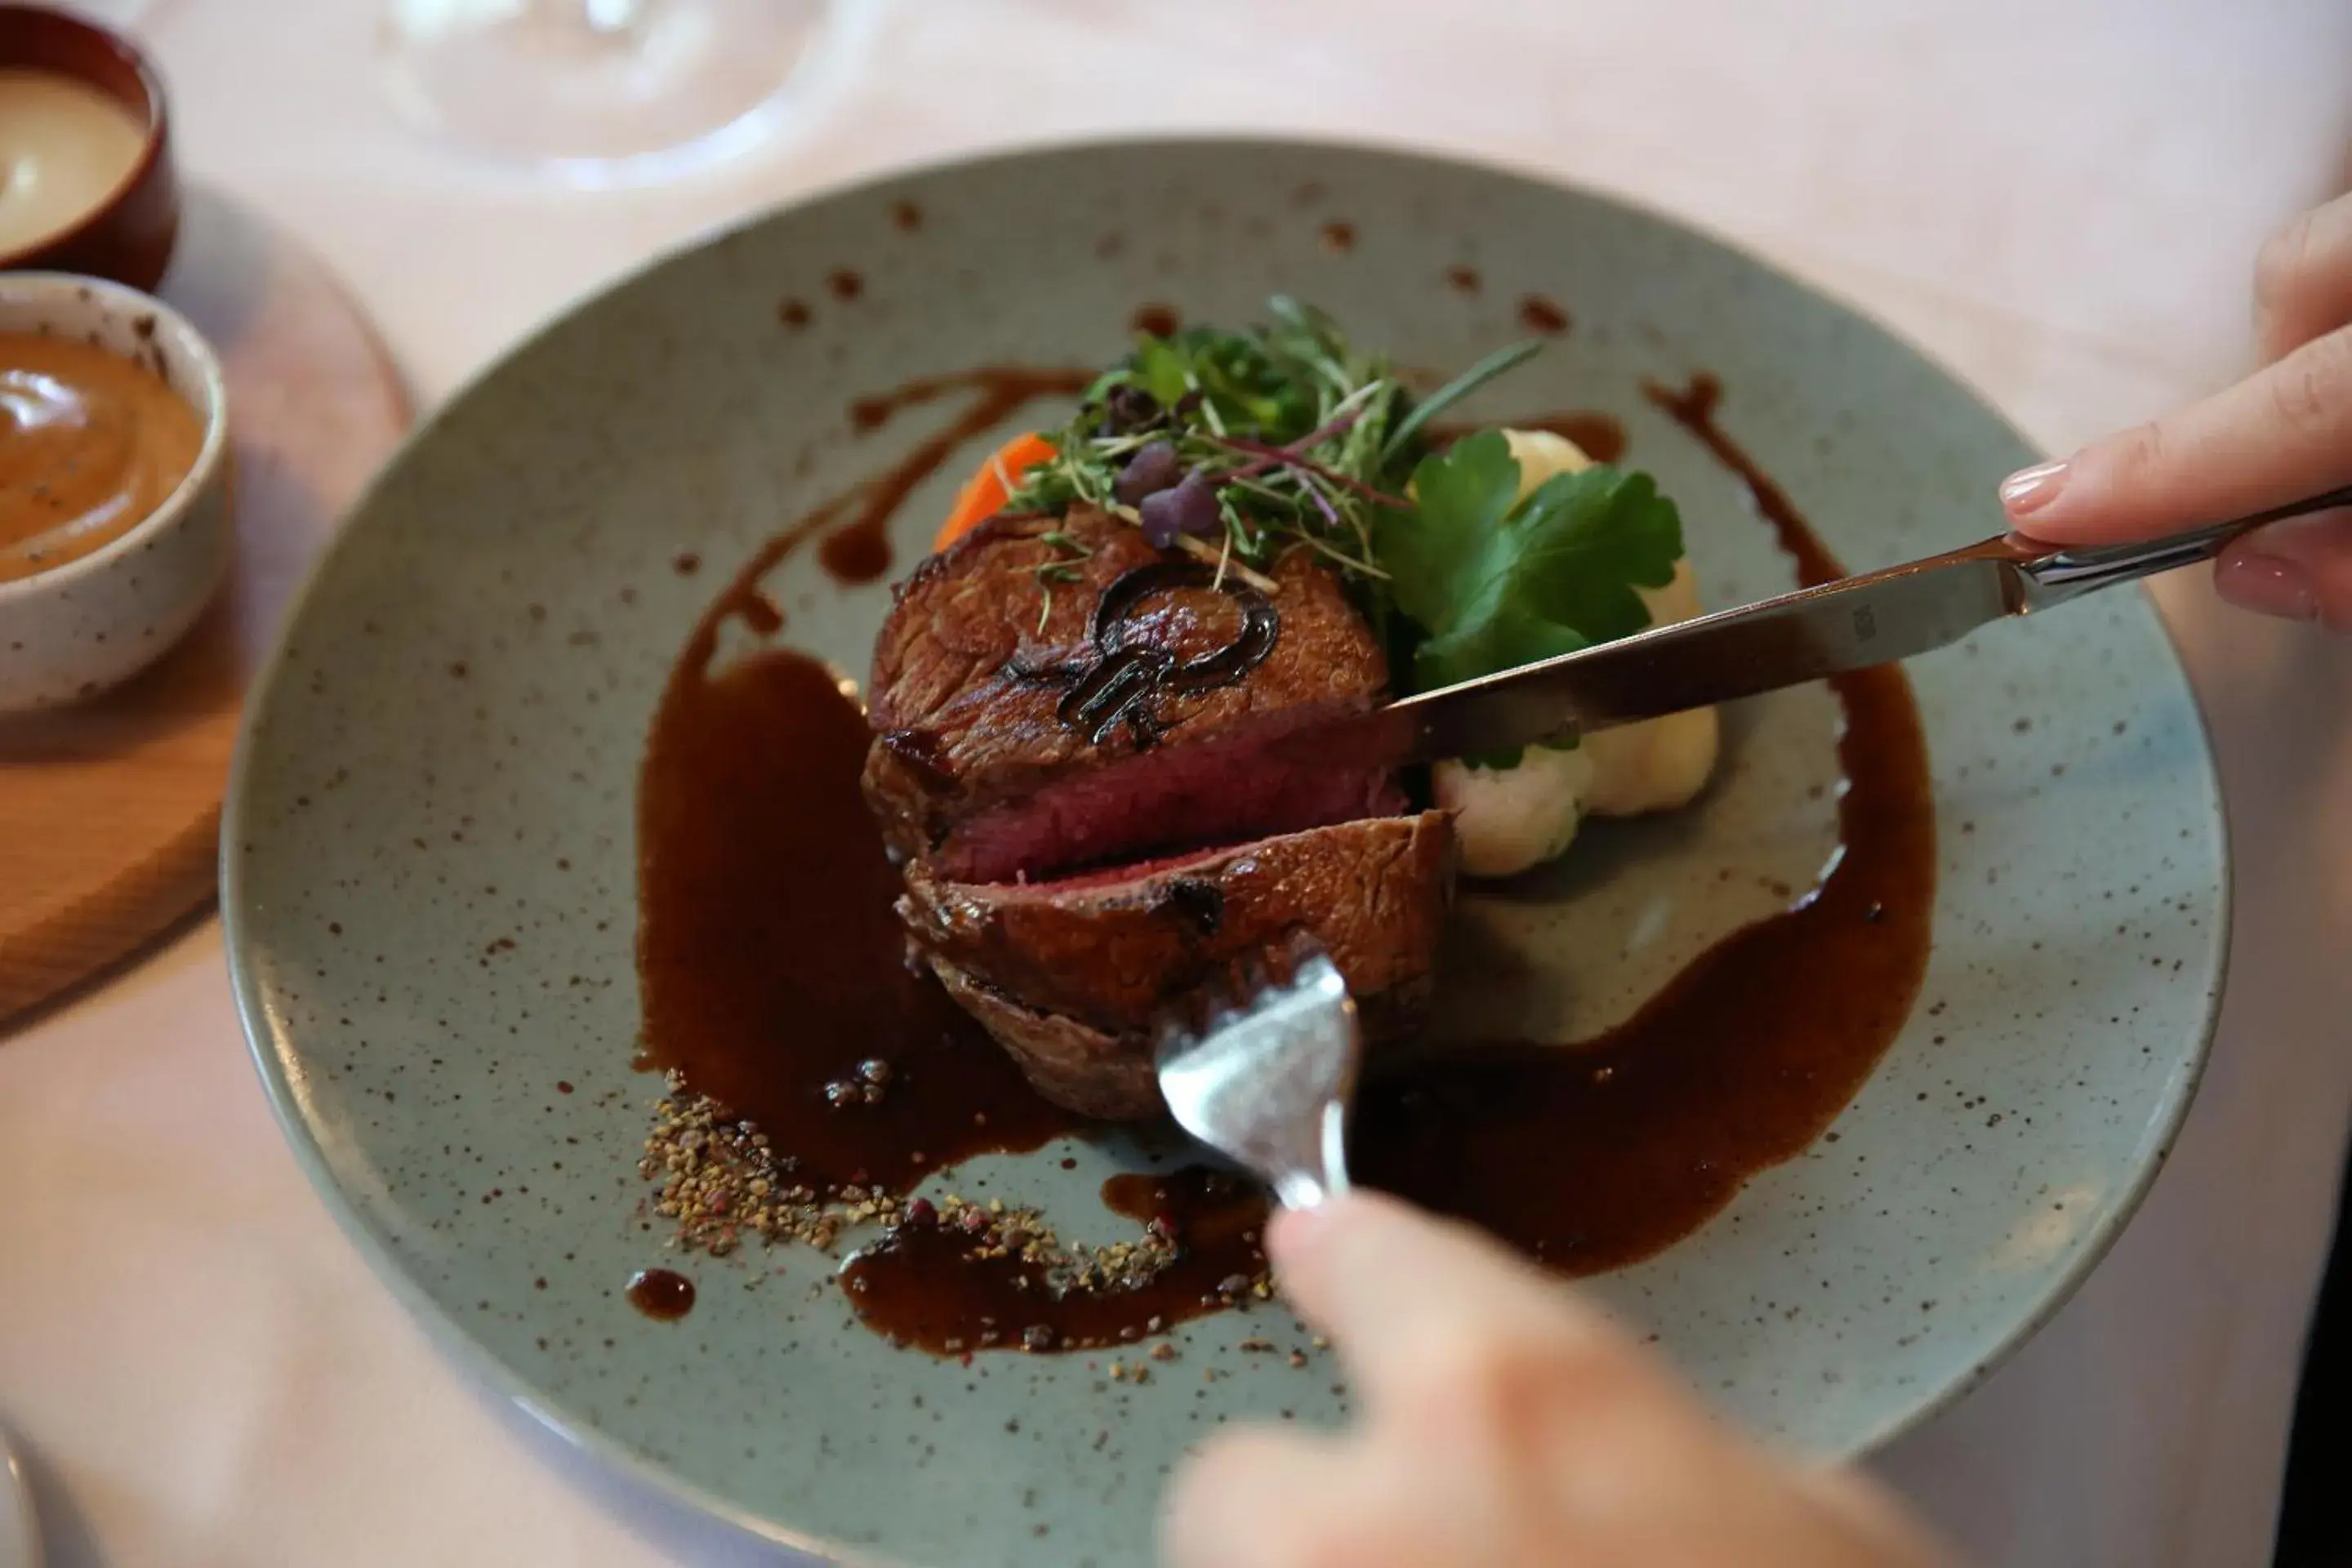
(2280, 435)
(1397, 1290)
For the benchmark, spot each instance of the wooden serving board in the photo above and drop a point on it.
(110, 810)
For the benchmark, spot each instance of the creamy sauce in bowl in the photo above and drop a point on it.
(90, 443)
(66, 147)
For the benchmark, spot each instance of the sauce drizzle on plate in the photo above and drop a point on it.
(919, 1287)
(858, 550)
(661, 1294)
(773, 968)
(1596, 1155)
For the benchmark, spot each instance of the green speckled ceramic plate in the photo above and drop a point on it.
(428, 866)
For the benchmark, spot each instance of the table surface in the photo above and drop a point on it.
(2059, 198)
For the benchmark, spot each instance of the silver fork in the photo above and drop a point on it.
(1265, 1077)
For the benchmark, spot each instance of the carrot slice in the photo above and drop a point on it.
(984, 495)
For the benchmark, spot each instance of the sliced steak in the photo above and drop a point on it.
(1038, 712)
(1068, 1063)
(1112, 948)
(1113, 1077)
(1070, 975)
(1109, 1076)
(1072, 759)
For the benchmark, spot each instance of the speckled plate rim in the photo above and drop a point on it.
(2164, 1132)
(283, 1079)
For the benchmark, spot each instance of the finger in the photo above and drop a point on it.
(2300, 570)
(2282, 434)
(1408, 1298)
(1870, 1520)
(1255, 1499)
(2303, 280)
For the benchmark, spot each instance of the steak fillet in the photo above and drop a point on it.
(1071, 761)
(1112, 948)
(978, 769)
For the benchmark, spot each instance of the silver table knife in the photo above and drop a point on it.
(1854, 623)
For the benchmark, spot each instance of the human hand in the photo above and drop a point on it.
(1507, 1425)
(2283, 433)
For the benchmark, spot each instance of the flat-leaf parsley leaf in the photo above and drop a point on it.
(1494, 581)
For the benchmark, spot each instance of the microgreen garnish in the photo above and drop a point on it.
(1500, 362)
(1060, 568)
(1237, 446)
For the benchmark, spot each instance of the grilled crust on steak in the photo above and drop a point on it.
(1070, 976)
(1071, 1065)
(1060, 879)
(974, 662)
(1112, 950)
(1114, 1078)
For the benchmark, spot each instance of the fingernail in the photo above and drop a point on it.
(2030, 489)
(2269, 585)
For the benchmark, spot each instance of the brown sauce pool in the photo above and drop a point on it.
(661, 1294)
(920, 1286)
(772, 969)
(90, 444)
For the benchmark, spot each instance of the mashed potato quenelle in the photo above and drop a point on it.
(1512, 819)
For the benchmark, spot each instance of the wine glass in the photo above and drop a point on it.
(596, 92)
(112, 13)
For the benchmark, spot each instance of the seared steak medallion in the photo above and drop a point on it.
(986, 690)
(1092, 959)
(1071, 757)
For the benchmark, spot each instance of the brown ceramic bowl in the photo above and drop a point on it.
(128, 238)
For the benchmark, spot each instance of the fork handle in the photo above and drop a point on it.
(2056, 576)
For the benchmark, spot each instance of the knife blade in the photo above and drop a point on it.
(1874, 618)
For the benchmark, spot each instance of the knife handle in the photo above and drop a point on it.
(2053, 577)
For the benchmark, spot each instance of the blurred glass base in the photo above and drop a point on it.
(113, 13)
(596, 92)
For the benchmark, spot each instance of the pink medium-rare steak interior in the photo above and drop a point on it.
(1166, 799)
(1028, 726)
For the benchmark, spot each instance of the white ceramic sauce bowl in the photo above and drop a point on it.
(95, 621)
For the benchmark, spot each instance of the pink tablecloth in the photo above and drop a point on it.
(2060, 199)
